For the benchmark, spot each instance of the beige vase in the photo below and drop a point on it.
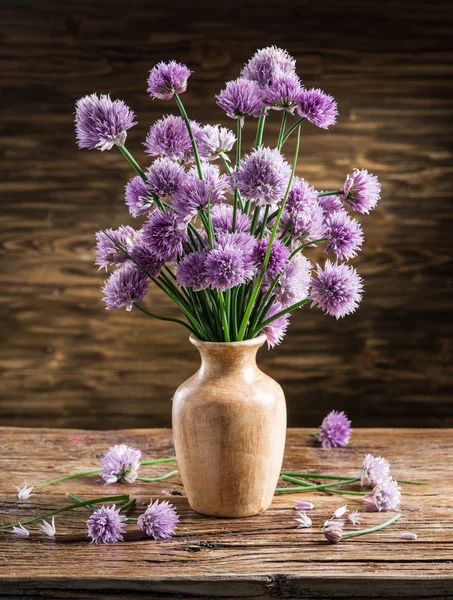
(229, 428)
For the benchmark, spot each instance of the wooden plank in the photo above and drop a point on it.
(63, 359)
(259, 557)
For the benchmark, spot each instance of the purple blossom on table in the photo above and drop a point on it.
(302, 217)
(276, 330)
(126, 285)
(227, 266)
(375, 470)
(294, 282)
(318, 108)
(304, 506)
(335, 430)
(167, 79)
(120, 463)
(222, 219)
(330, 204)
(344, 234)
(159, 520)
(164, 177)
(191, 271)
(20, 530)
(48, 528)
(143, 257)
(283, 93)
(385, 496)
(337, 289)
(138, 198)
(169, 137)
(106, 525)
(268, 63)
(408, 535)
(263, 176)
(354, 517)
(165, 235)
(215, 141)
(303, 519)
(101, 123)
(194, 194)
(361, 191)
(333, 530)
(241, 98)
(278, 257)
(24, 492)
(107, 252)
(340, 512)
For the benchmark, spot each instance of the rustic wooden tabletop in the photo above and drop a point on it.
(261, 557)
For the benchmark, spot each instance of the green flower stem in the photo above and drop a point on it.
(294, 252)
(324, 486)
(257, 286)
(297, 124)
(183, 112)
(161, 478)
(328, 491)
(296, 480)
(264, 223)
(238, 160)
(372, 529)
(65, 477)
(283, 312)
(134, 164)
(160, 318)
(77, 499)
(229, 172)
(260, 130)
(413, 482)
(155, 461)
(334, 193)
(314, 475)
(282, 129)
(226, 327)
(69, 507)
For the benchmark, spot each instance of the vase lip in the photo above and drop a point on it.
(256, 341)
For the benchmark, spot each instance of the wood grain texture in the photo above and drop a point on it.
(64, 361)
(255, 558)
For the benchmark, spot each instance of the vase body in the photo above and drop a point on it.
(229, 428)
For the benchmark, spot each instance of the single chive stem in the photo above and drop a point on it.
(160, 318)
(326, 486)
(69, 507)
(372, 529)
(65, 477)
(77, 499)
(183, 112)
(290, 131)
(260, 130)
(333, 193)
(134, 164)
(161, 478)
(314, 475)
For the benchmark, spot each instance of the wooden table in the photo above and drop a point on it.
(255, 558)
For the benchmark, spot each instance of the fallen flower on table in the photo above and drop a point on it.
(24, 492)
(20, 530)
(408, 535)
(333, 530)
(385, 496)
(354, 517)
(120, 463)
(106, 525)
(159, 520)
(340, 512)
(304, 520)
(304, 506)
(375, 470)
(48, 528)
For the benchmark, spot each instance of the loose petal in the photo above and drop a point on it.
(304, 520)
(47, 528)
(24, 492)
(407, 535)
(20, 530)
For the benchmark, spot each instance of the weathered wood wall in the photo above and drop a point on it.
(64, 361)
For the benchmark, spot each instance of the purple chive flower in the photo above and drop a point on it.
(268, 63)
(169, 137)
(276, 330)
(283, 93)
(333, 530)
(101, 123)
(302, 216)
(278, 256)
(20, 530)
(164, 177)
(107, 253)
(354, 517)
(106, 525)
(226, 267)
(222, 219)
(124, 287)
(330, 204)
(294, 283)
(159, 520)
(304, 506)
(241, 98)
(215, 141)
(375, 470)
(340, 512)
(143, 257)
(361, 191)
(48, 528)
(345, 235)
(24, 492)
(303, 519)
(385, 496)
(263, 176)
(194, 194)
(337, 289)
(138, 198)
(164, 235)
(190, 271)
(167, 79)
(335, 430)
(244, 242)
(408, 535)
(120, 463)
(318, 108)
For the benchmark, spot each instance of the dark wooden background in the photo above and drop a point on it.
(65, 361)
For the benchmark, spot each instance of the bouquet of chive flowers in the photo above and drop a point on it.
(225, 229)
